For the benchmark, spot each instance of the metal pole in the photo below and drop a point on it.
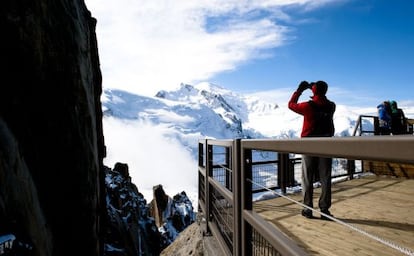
(283, 171)
(237, 192)
(228, 175)
(246, 200)
(351, 168)
(209, 173)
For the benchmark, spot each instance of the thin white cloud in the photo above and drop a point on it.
(152, 158)
(145, 46)
(278, 96)
(351, 98)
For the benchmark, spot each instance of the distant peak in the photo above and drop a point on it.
(209, 87)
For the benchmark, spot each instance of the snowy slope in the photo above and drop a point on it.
(157, 136)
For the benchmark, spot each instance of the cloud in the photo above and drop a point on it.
(278, 96)
(145, 46)
(341, 96)
(152, 158)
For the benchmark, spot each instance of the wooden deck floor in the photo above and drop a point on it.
(382, 207)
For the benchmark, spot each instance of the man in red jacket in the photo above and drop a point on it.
(318, 122)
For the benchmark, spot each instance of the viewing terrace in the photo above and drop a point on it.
(372, 213)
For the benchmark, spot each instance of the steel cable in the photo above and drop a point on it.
(397, 247)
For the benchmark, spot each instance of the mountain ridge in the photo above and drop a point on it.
(196, 107)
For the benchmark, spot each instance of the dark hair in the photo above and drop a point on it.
(321, 87)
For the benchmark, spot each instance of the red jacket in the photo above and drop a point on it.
(307, 110)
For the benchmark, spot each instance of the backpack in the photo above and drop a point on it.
(323, 125)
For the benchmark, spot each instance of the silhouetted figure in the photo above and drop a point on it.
(318, 122)
(398, 121)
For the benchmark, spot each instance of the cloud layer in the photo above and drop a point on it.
(152, 158)
(146, 46)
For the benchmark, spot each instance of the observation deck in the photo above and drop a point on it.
(372, 213)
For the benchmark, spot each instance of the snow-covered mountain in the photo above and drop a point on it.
(190, 113)
(209, 111)
(157, 136)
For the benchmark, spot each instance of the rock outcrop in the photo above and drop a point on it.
(52, 144)
(130, 229)
(172, 215)
(135, 227)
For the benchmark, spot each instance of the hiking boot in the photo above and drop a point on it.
(307, 214)
(327, 212)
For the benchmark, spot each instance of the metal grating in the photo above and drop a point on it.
(222, 215)
(261, 247)
(201, 188)
(264, 175)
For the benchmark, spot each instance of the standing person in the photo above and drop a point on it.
(384, 118)
(398, 123)
(318, 122)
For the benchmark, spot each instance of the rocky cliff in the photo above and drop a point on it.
(56, 196)
(51, 145)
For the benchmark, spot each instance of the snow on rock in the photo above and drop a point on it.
(138, 228)
(210, 111)
(130, 228)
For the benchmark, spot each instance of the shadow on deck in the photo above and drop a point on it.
(375, 217)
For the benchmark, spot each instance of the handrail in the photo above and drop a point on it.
(375, 125)
(398, 149)
(222, 190)
(275, 237)
(359, 126)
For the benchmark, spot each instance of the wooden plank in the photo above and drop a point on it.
(390, 169)
(383, 207)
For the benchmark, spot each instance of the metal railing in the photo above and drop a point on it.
(226, 183)
(369, 125)
(366, 125)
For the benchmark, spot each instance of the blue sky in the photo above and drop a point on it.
(364, 49)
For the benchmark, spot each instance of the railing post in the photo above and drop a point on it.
(228, 175)
(283, 171)
(200, 163)
(246, 200)
(209, 173)
(237, 191)
(200, 154)
(358, 125)
(351, 168)
(376, 125)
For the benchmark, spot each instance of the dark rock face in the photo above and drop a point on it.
(56, 196)
(20, 212)
(52, 145)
